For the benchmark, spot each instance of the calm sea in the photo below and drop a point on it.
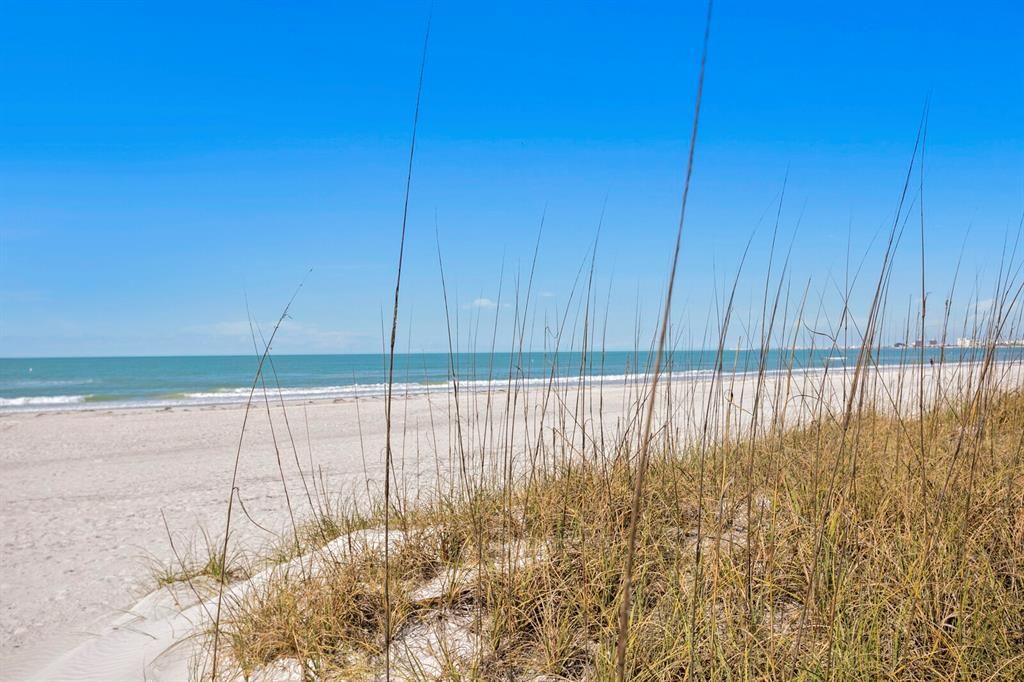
(83, 383)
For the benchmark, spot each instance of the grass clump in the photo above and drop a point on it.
(200, 559)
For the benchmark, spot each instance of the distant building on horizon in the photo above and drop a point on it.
(964, 342)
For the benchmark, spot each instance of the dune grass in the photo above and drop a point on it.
(913, 579)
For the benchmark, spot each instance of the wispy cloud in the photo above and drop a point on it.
(482, 303)
(983, 306)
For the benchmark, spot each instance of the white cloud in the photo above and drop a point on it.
(483, 303)
(983, 306)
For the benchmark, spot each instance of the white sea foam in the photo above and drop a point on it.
(42, 383)
(401, 389)
(239, 395)
(43, 401)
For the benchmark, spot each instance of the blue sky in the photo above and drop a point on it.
(161, 162)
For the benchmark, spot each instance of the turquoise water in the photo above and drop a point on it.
(82, 383)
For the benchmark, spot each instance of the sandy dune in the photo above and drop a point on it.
(81, 493)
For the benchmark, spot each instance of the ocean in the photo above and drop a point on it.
(115, 382)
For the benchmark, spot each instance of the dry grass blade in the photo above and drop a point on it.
(641, 469)
(391, 361)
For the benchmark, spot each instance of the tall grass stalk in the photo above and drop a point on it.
(645, 444)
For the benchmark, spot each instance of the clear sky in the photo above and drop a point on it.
(159, 162)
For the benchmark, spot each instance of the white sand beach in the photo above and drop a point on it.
(82, 493)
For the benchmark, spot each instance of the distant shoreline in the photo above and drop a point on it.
(85, 384)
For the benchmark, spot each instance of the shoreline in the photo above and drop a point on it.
(235, 397)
